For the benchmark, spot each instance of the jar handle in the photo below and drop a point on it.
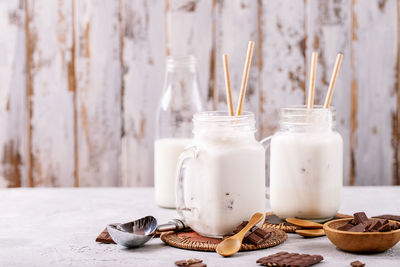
(188, 153)
(266, 142)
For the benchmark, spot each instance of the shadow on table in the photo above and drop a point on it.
(145, 248)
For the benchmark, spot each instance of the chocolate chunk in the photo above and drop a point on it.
(198, 265)
(240, 227)
(374, 226)
(385, 228)
(255, 235)
(290, 259)
(357, 228)
(191, 262)
(345, 227)
(360, 217)
(260, 232)
(253, 238)
(389, 217)
(105, 238)
(353, 222)
(357, 264)
(394, 225)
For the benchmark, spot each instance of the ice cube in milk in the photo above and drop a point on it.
(226, 184)
(166, 154)
(306, 174)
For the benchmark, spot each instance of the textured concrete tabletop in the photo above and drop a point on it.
(57, 227)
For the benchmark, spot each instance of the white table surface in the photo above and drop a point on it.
(57, 227)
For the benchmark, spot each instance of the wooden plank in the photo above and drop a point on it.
(281, 61)
(189, 30)
(143, 58)
(230, 17)
(49, 42)
(282, 37)
(98, 100)
(374, 51)
(13, 149)
(328, 33)
(396, 115)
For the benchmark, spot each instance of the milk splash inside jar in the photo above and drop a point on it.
(306, 166)
(221, 176)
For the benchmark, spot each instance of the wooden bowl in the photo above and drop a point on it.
(368, 242)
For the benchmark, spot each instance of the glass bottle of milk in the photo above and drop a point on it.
(181, 98)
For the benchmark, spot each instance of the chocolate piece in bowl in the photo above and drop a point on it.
(346, 227)
(357, 228)
(386, 227)
(360, 217)
(394, 225)
(374, 226)
(389, 217)
(290, 259)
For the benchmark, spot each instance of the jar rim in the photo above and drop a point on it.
(221, 121)
(222, 116)
(301, 116)
(303, 108)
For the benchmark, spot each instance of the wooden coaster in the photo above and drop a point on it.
(193, 241)
(289, 228)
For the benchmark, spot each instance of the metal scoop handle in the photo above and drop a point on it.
(173, 225)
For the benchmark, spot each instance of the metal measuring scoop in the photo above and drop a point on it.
(137, 233)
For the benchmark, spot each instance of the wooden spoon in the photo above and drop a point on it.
(231, 245)
(304, 223)
(311, 232)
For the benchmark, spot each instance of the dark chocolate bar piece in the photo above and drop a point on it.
(385, 227)
(191, 262)
(360, 217)
(255, 236)
(374, 226)
(346, 227)
(394, 225)
(357, 264)
(105, 238)
(290, 259)
(357, 228)
(240, 227)
(389, 217)
(260, 232)
(254, 239)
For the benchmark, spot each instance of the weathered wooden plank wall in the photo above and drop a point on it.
(80, 80)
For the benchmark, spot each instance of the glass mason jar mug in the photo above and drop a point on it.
(221, 177)
(306, 164)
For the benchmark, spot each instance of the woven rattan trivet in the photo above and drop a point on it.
(277, 223)
(193, 241)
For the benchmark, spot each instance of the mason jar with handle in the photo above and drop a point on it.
(221, 176)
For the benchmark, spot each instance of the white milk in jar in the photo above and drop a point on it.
(222, 179)
(166, 153)
(306, 164)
